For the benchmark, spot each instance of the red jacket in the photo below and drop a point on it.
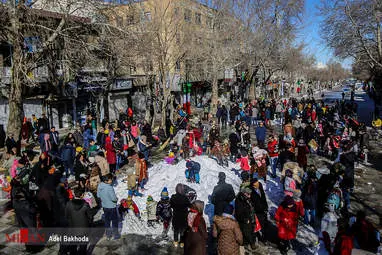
(343, 244)
(287, 220)
(244, 165)
(272, 149)
(111, 156)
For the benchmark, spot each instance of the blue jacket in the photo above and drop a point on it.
(107, 195)
(68, 155)
(209, 210)
(260, 133)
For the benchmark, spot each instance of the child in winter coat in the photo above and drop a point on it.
(141, 170)
(289, 184)
(132, 183)
(126, 205)
(192, 171)
(243, 160)
(151, 207)
(209, 210)
(329, 227)
(164, 211)
(286, 219)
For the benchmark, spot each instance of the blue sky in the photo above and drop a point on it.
(310, 35)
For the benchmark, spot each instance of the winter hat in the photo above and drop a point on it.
(288, 173)
(288, 200)
(150, 198)
(164, 193)
(221, 176)
(246, 190)
(301, 142)
(106, 132)
(244, 175)
(129, 198)
(228, 209)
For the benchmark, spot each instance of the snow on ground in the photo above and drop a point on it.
(164, 175)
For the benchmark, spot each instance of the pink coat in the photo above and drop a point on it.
(134, 131)
(244, 164)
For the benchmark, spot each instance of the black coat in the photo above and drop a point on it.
(79, 169)
(309, 196)
(259, 201)
(348, 159)
(222, 195)
(179, 204)
(244, 209)
(78, 214)
(10, 143)
(60, 202)
(234, 141)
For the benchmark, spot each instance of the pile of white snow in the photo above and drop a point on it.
(164, 175)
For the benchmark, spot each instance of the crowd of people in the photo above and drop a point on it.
(73, 177)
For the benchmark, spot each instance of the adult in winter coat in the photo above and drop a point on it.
(146, 131)
(109, 204)
(78, 138)
(260, 205)
(196, 235)
(365, 233)
(302, 151)
(41, 168)
(179, 204)
(348, 158)
(111, 155)
(228, 232)
(234, 141)
(222, 194)
(68, 155)
(80, 166)
(46, 198)
(343, 243)
(79, 218)
(245, 215)
(260, 135)
(286, 219)
(309, 198)
(273, 154)
(101, 161)
(60, 201)
(25, 210)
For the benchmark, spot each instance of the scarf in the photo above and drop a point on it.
(193, 219)
(47, 142)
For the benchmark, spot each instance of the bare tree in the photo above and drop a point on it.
(353, 29)
(58, 25)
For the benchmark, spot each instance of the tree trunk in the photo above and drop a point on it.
(215, 95)
(252, 86)
(15, 99)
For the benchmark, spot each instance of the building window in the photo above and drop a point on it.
(198, 18)
(187, 15)
(177, 66)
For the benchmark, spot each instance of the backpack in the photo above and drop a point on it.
(335, 199)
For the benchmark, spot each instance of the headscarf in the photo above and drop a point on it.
(179, 189)
(195, 215)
